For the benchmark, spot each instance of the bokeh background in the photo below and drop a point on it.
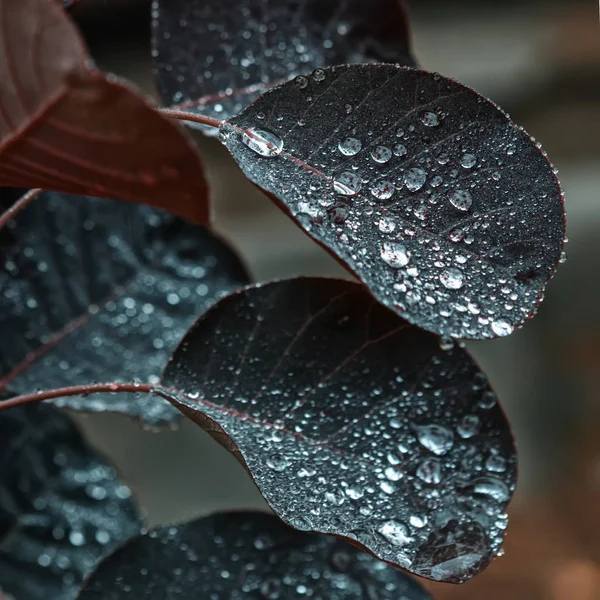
(540, 61)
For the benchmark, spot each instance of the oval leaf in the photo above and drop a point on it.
(62, 508)
(353, 422)
(216, 57)
(65, 126)
(244, 555)
(102, 290)
(425, 190)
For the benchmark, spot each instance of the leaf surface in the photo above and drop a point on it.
(241, 556)
(101, 290)
(448, 212)
(62, 508)
(65, 126)
(353, 422)
(216, 57)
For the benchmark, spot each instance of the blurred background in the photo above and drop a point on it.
(540, 61)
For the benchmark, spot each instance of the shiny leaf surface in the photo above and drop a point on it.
(215, 57)
(65, 126)
(449, 213)
(246, 555)
(353, 422)
(101, 290)
(62, 508)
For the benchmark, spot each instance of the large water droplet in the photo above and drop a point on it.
(395, 532)
(452, 278)
(415, 179)
(468, 161)
(347, 183)
(501, 328)
(381, 154)
(461, 199)
(491, 487)
(277, 462)
(400, 150)
(469, 426)
(430, 471)
(430, 119)
(263, 142)
(394, 254)
(435, 438)
(350, 146)
(383, 190)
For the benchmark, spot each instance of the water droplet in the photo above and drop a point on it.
(563, 257)
(301, 82)
(400, 150)
(430, 119)
(347, 183)
(489, 486)
(386, 225)
(452, 278)
(383, 190)
(488, 400)
(277, 462)
(446, 343)
(418, 521)
(355, 493)
(435, 438)
(468, 427)
(263, 142)
(394, 254)
(318, 75)
(501, 328)
(350, 146)
(415, 179)
(495, 463)
(461, 199)
(381, 154)
(395, 532)
(393, 473)
(468, 161)
(430, 471)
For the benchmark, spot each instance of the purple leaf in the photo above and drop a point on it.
(102, 290)
(448, 212)
(244, 555)
(62, 508)
(215, 57)
(353, 422)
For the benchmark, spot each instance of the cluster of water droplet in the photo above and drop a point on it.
(246, 555)
(69, 508)
(456, 223)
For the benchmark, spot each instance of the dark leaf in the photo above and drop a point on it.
(425, 190)
(215, 57)
(62, 508)
(67, 127)
(353, 422)
(245, 555)
(102, 290)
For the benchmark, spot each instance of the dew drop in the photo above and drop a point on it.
(386, 225)
(381, 154)
(435, 438)
(277, 462)
(301, 82)
(263, 142)
(496, 464)
(347, 183)
(393, 473)
(415, 179)
(430, 471)
(355, 493)
(400, 150)
(430, 119)
(468, 161)
(501, 328)
(468, 427)
(394, 254)
(318, 75)
(452, 278)
(350, 146)
(383, 190)
(461, 199)
(395, 532)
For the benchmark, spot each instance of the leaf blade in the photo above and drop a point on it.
(352, 422)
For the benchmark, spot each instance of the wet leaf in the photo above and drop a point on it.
(65, 126)
(353, 422)
(244, 555)
(216, 57)
(62, 508)
(102, 290)
(425, 190)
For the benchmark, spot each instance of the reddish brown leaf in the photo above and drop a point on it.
(68, 127)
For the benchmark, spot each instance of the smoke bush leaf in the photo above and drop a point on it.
(62, 508)
(214, 57)
(65, 126)
(102, 290)
(353, 422)
(244, 555)
(448, 212)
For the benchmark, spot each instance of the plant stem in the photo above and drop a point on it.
(76, 390)
(20, 204)
(189, 116)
